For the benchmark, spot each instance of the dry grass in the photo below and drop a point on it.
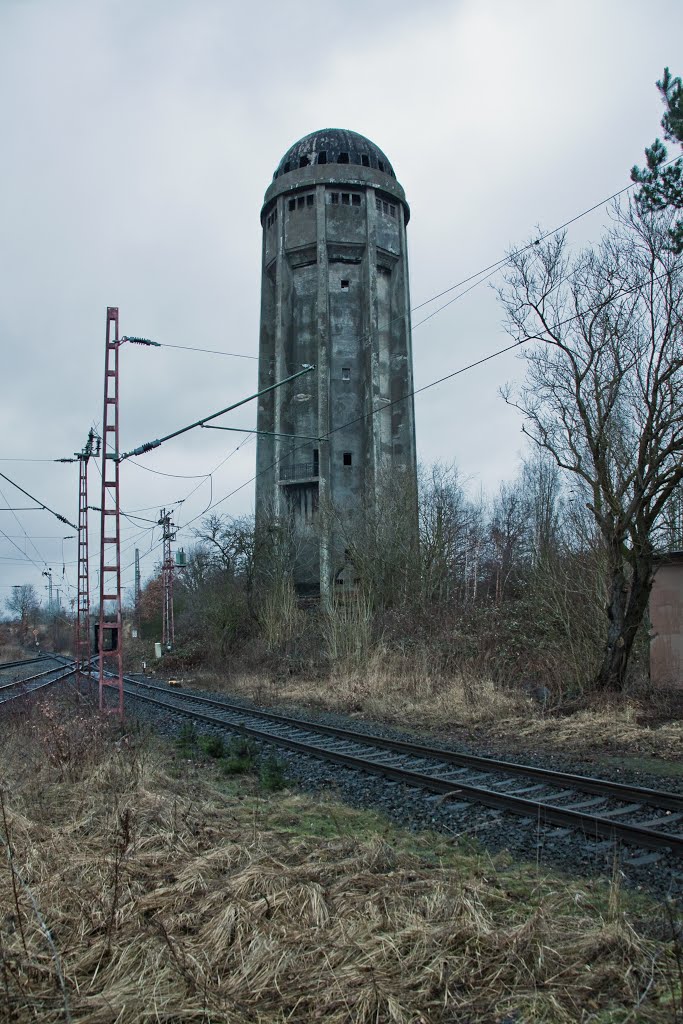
(409, 694)
(13, 652)
(611, 729)
(173, 896)
(384, 688)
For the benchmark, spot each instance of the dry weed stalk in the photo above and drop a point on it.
(279, 614)
(16, 877)
(122, 842)
(347, 630)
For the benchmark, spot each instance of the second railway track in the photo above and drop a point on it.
(14, 689)
(6, 665)
(598, 808)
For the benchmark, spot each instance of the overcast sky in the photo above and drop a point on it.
(138, 138)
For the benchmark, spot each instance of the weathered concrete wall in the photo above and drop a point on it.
(666, 619)
(334, 293)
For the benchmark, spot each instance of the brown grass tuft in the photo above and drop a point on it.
(13, 652)
(407, 692)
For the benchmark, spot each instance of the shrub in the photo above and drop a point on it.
(239, 757)
(214, 746)
(272, 775)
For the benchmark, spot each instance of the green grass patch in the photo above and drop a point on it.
(186, 740)
(239, 757)
(271, 775)
(212, 745)
(652, 765)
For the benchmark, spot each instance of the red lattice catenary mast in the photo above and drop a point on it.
(167, 569)
(82, 637)
(110, 631)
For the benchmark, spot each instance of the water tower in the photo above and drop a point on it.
(334, 292)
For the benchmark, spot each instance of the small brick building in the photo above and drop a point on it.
(666, 619)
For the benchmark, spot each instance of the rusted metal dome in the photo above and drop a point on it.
(334, 146)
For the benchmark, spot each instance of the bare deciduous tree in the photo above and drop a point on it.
(381, 542)
(604, 393)
(509, 535)
(447, 521)
(24, 604)
(543, 492)
(231, 541)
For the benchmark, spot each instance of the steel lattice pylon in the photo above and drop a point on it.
(137, 590)
(110, 632)
(167, 568)
(82, 637)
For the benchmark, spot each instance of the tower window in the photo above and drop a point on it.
(346, 198)
(347, 458)
(380, 164)
(378, 205)
(392, 211)
(316, 462)
(345, 284)
(355, 199)
(365, 160)
(322, 157)
(346, 373)
(292, 204)
(309, 199)
(334, 197)
(301, 202)
(385, 207)
(303, 161)
(343, 158)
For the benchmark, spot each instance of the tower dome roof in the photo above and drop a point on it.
(331, 146)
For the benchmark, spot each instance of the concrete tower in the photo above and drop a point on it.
(334, 292)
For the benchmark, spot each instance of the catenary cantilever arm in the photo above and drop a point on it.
(149, 445)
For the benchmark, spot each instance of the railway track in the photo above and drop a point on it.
(25, 685)
(600, 809)
(5, 665)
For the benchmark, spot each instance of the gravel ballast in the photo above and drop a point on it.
(492, 830)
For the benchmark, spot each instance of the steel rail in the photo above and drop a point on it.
(48, 682)
(585, 783)
(26, 661)
(592, 825)
(28, 679)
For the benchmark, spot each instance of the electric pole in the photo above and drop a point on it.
(109, 634)
(137, 591)
(49, 590)
(169, 534)
(82, 623)
(110, 631)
